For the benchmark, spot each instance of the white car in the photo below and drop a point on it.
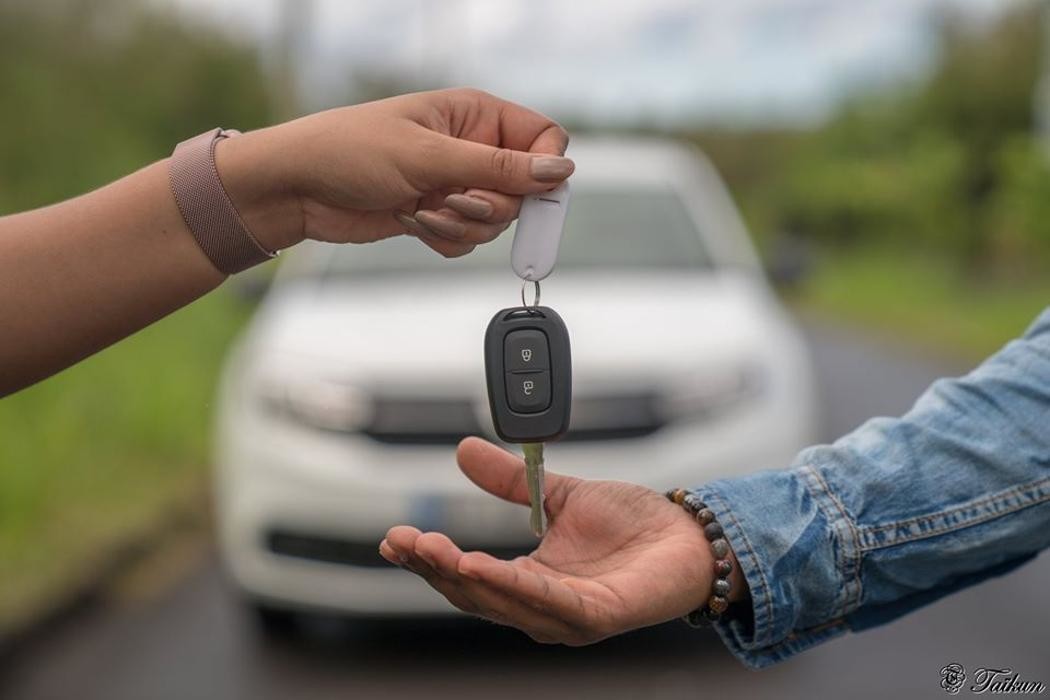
(342, 404)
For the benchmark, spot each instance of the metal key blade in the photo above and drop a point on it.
(534, 480)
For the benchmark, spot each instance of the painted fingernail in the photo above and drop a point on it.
(474, 207)
(440, 225)
(409, 222)
(551, 168)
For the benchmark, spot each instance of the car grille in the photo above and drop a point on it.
(412, 421)
(334, 550)
(418, 421)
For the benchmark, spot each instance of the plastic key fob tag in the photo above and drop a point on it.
(538, 233)
(528, 368)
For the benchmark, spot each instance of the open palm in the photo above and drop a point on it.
(617, 556)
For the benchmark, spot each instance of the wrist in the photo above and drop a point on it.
(700, 580)
(727, 585)
(253, 172)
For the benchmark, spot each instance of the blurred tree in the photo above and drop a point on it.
(945, 166)
(95, 88)
(91, 90)
(981, 94)
(1020, 211)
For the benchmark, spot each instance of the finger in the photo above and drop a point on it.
(443, 243)
(388, 553)
(402, 538)
(443, 556)
(454, 227)
(453, 592)
(503, 474)
(528, 130)
(463, 163)
(444, 246)
(540, 592)
(518, 127)
(485, 205)
(439, 552)
(401, 542)
(553, 140)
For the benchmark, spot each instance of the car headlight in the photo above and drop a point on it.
(713, 392)
(320, 403)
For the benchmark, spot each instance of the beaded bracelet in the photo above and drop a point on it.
(718, 603)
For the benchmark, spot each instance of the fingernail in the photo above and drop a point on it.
(474, 207)
(426, 558)
(440, 225)
(409, 222)
(550, 168)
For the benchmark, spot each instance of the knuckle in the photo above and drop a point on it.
(417, 162)
(503, 162)
(564, 135)
(456, 251)
(472, 93)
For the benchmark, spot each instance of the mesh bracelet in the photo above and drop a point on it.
(718, 603)
(206, 207)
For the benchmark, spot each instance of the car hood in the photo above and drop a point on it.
(429, 331)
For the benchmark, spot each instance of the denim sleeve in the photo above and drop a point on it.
(898, 513)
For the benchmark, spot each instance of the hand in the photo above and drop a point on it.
(617, 557)
(447, 166)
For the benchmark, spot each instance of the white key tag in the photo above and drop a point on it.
(538, 234)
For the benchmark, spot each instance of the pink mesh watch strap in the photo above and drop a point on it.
(207, 208)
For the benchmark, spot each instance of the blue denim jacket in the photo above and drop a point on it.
(899, 512)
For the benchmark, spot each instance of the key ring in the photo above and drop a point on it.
(536, 297)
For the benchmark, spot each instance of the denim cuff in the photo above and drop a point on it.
(788, 537)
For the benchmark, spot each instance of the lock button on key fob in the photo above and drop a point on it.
(528, 392)
(528, 367)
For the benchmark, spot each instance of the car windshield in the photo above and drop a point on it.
(606, 228)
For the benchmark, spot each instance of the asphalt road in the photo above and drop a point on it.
(188, 638)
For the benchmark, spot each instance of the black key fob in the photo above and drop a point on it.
(528, 367)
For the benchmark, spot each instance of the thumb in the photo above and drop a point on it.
(463, 163)
(503, 474)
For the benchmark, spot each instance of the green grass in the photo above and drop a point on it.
(922, 301)
(99, 451)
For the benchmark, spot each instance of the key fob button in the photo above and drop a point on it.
(526, 350)
(529, 392)
(528, 374)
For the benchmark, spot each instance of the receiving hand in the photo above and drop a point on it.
(617, 557)
(447, 166)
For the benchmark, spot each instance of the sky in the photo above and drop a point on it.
(668, 62)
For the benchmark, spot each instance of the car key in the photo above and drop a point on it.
(528, 368)
(528, 365)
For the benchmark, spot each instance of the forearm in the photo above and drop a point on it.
(898, 513)
(80, 275)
